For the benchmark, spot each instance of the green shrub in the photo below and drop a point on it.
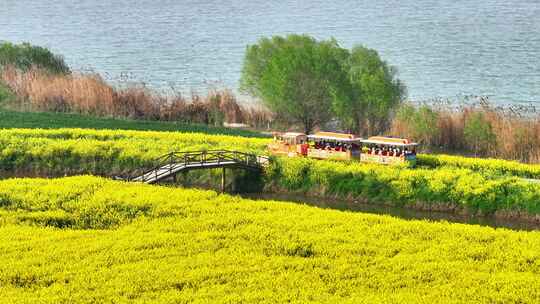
(419, 123)
(25, 56)
(461, 188)
(479, 134)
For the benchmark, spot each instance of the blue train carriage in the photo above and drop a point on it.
(388, 150)
(335, 146)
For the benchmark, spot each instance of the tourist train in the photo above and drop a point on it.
(339, 146)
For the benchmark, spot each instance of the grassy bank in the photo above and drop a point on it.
(87, 239)
(47, 120)
(440, 182)
(445, 188)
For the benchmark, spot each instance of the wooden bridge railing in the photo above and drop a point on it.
(200, 159)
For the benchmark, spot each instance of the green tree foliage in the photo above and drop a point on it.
(310, 82)
(374, 91)
(296, 76)
(479, 133)
(419, 122)
(24, 56)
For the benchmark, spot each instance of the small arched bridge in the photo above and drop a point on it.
(175, 162)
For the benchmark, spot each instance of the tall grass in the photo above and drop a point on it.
(89, 94)
(480, 129)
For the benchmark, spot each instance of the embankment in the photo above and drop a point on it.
(442, 189)
(449, 183)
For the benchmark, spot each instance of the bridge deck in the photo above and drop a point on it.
(172, 169)
(174, 162)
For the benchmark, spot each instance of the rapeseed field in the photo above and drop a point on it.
(110, 151)
(438, 182)
(92, 240)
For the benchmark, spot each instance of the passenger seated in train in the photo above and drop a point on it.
(332, 146)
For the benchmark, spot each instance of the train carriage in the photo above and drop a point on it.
(289, 144)
(388, 150)
(330, 145)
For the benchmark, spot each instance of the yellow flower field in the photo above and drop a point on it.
(474, 185)
(87, 239)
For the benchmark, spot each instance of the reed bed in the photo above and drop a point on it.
(89, 94)
(480, 129)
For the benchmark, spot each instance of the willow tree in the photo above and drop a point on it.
(374, 91)
(310, 82)
(296, 76)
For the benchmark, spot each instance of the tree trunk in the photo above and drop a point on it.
(359, 128)
(308, 128)
(308, 125)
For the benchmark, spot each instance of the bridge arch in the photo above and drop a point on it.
(169, 165)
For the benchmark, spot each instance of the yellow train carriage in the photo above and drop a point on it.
(388, 150)
(337, 146)
(289, 144)
(340, 146)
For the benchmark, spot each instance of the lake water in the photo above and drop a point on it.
(446, 49)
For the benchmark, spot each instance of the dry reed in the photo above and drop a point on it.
(514, 135)
(89, 94)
